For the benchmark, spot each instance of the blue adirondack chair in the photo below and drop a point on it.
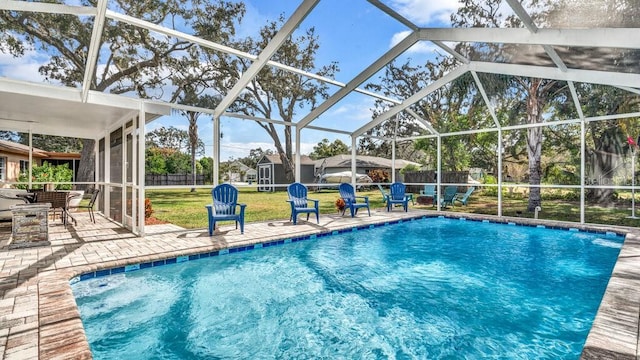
(429, 190)
(397, 196)
(348, 194)
(223, 208)
(464, 198)
(300, 203)
(449, 195)
(385, 195)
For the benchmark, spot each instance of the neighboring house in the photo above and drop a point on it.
(14, 159)
(364, 164)
(271, 171)
(239, 172)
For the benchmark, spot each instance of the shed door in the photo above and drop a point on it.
(264, 177)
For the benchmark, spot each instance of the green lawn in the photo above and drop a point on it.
(186, 209)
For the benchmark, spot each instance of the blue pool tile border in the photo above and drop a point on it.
(180, 259)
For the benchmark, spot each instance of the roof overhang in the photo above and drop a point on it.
(55, 110)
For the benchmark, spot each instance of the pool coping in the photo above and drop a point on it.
(59, 332)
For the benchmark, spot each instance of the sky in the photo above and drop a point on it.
(352, 33)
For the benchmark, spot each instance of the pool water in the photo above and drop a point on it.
(426, 289)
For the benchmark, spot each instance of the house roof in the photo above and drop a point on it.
(344, 161)
(16, 148)
(20, 149)
(275, 159)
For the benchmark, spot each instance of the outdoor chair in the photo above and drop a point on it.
(300, 204)
(385, 195)
(449, 195)
(93, 196)
(348, 194)
(224, 207)
(397, 196)
(463, 198)
(429, 190)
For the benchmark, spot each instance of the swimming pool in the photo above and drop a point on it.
(431, 288)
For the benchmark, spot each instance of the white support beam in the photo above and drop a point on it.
(140, 183)
(255, 118)
(454, 74)
(216, 150)
(274, 44)
(319, 128)
(94, 48)
(398, 49)
(422, 121)
(524, 16)
(389, 11)
(625, 38)
(42, 90)
(612, 117)
(576, 102)
(297, 156)
(487, 102)
(629, 89)
(529, 24)
(353, 161)
(231, 51)
(499, 154)
(452, 52)
(544, 72)
(42, 7)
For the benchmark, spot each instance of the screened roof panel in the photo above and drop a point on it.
(354, 34)
(601, 100)
(346, 39)
(426, 12)
(592, 13)
(521, 54)
(458, 106)
(509, 96)
(350, 113)
(600, 59)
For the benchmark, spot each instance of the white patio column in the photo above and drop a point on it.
(297, 162)
(30, 157)
(499, 172)
(438, 171)
(141, 182)
(353, 160)
(393, 153)
(582, 166)
(216, 149)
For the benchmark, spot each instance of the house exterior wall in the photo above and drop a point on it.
(12, 165)
(307, 174)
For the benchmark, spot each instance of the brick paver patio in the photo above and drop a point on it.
(39, 318)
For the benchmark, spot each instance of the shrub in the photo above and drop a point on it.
(490, 190)
(379, 176)
(148, 210)
(46, 173)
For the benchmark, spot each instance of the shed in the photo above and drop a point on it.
(271, 172)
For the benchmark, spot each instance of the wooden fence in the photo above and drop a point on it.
(429, 176)
(173, 179)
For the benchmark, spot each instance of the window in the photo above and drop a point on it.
(3, 168)
(24, 166)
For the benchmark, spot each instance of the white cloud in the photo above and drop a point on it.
(424, 12)
(421, 47)
(23, 68)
